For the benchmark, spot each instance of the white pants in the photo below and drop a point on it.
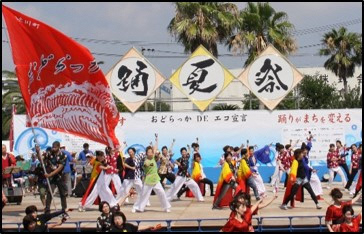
(144, 197)
(177, 185)
(116, 181)
(259, 183)
(101, 189)
(275, 176)
(279, 177)
(339, 172)
(316, 184)
(128, 184)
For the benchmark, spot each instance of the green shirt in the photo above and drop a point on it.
(151, 172)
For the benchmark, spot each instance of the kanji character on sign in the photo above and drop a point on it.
(235, 118)
(198, 76)
(266, 68)
(282, 119)
(124, 73)
(243, 117)
(331, 118)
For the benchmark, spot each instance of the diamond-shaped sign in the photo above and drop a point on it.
(201, 78)
(270, 77)
(133, 79)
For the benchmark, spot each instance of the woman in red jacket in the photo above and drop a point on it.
(350, 223)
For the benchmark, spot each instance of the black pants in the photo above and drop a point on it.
(224, 189)
(209, 182)
(170, 176)
(294, 190)
(62, 193)
(345, 167)
(351, 178)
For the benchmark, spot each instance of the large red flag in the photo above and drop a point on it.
(62, 86)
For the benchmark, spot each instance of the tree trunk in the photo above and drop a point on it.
(345, 85)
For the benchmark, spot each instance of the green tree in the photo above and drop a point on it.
(315, 93)
(259, 24)
(225, 107)
(344, 49)
(202, 23)
(250, 102)
(162, 106)
(352, 99)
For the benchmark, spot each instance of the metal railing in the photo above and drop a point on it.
(290, 227)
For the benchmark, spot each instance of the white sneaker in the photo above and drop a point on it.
(328, 187)
(133, 210)
(284, 207)
(318, 206)
(80, 208)
(168, 211)
(148, 205)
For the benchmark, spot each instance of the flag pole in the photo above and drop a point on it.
(41, 160)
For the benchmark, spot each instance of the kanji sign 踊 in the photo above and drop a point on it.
(133, 79)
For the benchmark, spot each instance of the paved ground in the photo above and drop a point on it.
(186, 208)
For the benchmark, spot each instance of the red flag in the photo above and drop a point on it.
(62, 86)
(11, 135)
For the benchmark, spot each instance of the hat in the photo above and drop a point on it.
(19, 157)
(88, 155)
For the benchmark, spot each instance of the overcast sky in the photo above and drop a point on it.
(145, 25)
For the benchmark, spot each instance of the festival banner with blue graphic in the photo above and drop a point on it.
(215, 130)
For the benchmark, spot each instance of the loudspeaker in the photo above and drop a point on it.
(14, 195)
(81, 187)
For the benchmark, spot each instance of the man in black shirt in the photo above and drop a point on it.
(183, 178)
(55, 163)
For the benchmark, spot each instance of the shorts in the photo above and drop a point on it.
(42, 191)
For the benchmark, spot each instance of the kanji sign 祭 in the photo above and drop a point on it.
(133, 79)
(201, 78)
(270, 77)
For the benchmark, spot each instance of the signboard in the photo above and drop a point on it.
(133, 79)
(201, 78)
(215, 129)
(270, 77)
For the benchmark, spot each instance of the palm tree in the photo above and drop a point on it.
(10, 97)
(344, 49)
(203, 23)
(259, 24)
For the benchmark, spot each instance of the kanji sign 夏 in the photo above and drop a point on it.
(270, 77)
(201, 78)
(133, 79)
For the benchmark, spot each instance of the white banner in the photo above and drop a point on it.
(215, 130)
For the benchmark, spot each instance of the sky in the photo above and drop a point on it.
(144, 25)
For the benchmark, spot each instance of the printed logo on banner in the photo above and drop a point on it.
(201, 78)
(133, 79)
(270, 77)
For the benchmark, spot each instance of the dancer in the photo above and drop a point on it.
(243, 216)
(354, 166)
(183, 178)
(333, 165)
(241, 197)
(350, 223)
(342, 152)
(256, 176)
(334, 212)
(199, 176)
(312, 176)
(284, 162)
(225, 185)
(151, 182)
(245, 176)
(132, 175)
(166, 165)
(112, 173)
(275, 175)
(299, 174)
(98, 185)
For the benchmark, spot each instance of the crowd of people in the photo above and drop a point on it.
(116, 177)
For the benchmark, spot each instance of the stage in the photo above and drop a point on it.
(186, 208)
